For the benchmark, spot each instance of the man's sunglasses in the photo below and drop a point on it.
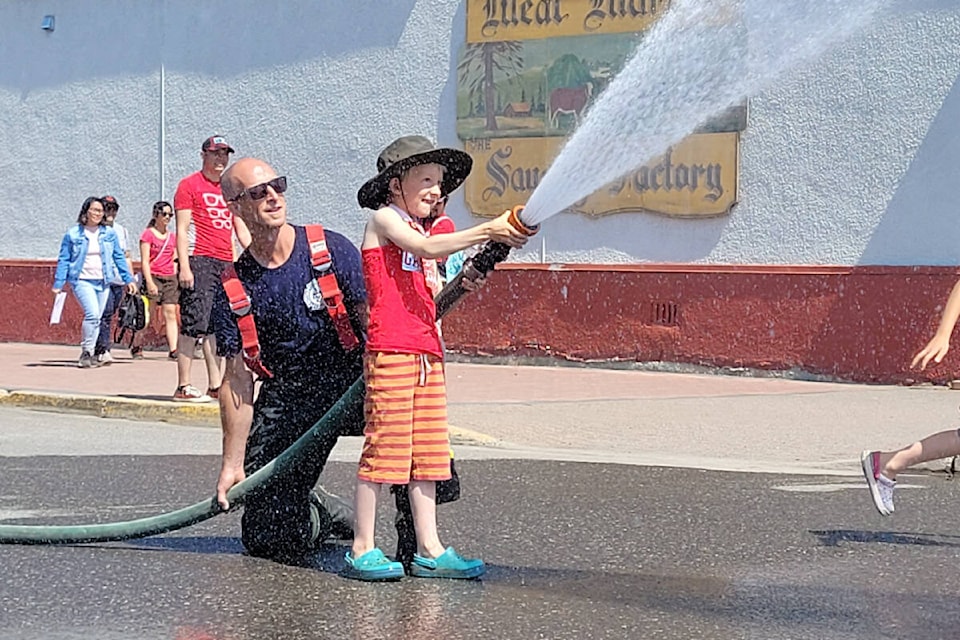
(259, 191)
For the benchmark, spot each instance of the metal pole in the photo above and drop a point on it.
(163, 133)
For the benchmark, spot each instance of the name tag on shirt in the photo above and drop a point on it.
(410, 261)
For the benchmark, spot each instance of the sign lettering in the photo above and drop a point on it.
(696, 177)
(603, 10)
(512, 13)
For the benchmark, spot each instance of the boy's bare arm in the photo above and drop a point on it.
(386, 226)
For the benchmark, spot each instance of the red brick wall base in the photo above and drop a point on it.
(853, 323)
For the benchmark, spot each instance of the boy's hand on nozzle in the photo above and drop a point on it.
(501, 230)
(935, 350)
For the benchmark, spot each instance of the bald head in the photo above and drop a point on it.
(244, 173)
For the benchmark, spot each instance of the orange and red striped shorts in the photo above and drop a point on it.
(406, 419)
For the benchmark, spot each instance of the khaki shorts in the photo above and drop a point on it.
(168, 290)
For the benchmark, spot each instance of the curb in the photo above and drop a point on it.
(207, 414)
(199, 414)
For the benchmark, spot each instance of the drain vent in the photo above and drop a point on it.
(665, 313)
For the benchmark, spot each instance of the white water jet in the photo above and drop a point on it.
(701, 57)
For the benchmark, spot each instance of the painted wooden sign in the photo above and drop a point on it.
(526, 78)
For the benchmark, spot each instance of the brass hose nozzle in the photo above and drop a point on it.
(518, 222)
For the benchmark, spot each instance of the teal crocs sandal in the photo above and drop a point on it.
(448, 565)
(372, 566)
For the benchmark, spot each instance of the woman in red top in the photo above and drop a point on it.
(158, 248)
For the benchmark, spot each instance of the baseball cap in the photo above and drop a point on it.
(215, 143)
(110, 201)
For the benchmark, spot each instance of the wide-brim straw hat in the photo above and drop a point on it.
(404, 153)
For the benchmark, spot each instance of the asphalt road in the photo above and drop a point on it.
(575, 549)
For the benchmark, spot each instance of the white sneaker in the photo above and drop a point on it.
(189, 393)
(881, 487)
(105, 358)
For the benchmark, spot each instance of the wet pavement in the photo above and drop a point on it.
(576, 550)
(571, 413)
(608, 504)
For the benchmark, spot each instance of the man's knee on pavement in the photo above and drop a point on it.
(268, 531)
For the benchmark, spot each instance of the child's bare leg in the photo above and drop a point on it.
(170, 325)
(940, 445)
(365, 509)
(423, 503)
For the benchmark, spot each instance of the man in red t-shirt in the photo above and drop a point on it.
(205, 232)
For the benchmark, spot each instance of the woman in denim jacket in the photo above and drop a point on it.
(90, 257)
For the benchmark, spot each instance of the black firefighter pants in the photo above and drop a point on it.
(276, 521)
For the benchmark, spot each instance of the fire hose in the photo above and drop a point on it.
(478, 266)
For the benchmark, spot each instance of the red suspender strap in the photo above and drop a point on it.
(329, 288)
(241, 306)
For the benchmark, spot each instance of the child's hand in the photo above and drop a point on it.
(501, 230)
(473, 283)
(935, 350)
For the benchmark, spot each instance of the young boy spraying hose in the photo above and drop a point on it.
(406, 439)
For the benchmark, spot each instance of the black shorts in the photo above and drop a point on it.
(196, 304)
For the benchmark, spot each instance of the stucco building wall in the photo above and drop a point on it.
(850, 161)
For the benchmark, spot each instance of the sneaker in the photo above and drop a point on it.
(449, 564)
(214, 392)
(881, 487)
(189, 393)
(372, 566)
(105, 358)
(87, 361)
(136, 353)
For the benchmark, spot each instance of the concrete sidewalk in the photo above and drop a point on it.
(633, 417)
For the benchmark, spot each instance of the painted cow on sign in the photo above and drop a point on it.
(569, 101)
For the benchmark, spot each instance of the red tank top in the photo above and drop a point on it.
(402, 312)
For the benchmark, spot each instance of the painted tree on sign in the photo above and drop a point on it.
(568, 71)
(482, 65)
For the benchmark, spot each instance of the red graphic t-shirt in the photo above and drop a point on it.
(162, 252)
(212, 220)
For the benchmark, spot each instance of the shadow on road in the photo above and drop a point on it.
(833, 538)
